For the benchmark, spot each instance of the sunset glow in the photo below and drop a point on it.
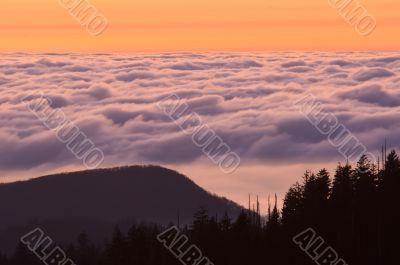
(177, 25)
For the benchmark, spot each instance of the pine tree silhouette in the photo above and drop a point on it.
(356, 213)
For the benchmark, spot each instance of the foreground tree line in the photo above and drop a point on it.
(356, 213)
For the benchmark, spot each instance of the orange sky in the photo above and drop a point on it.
(189, 25)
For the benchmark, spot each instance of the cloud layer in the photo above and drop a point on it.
(246, 98)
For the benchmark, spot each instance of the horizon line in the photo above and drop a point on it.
(49, 52)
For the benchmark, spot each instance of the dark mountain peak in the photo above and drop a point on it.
(150, 171)
(91, 198)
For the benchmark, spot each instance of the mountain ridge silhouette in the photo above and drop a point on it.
(94, 200)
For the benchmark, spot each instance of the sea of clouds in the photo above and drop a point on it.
(247, 99)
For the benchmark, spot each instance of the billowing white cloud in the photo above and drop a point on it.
(247, 99)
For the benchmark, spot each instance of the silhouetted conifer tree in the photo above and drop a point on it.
(357, 215)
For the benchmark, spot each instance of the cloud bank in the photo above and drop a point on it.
(246, 98)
